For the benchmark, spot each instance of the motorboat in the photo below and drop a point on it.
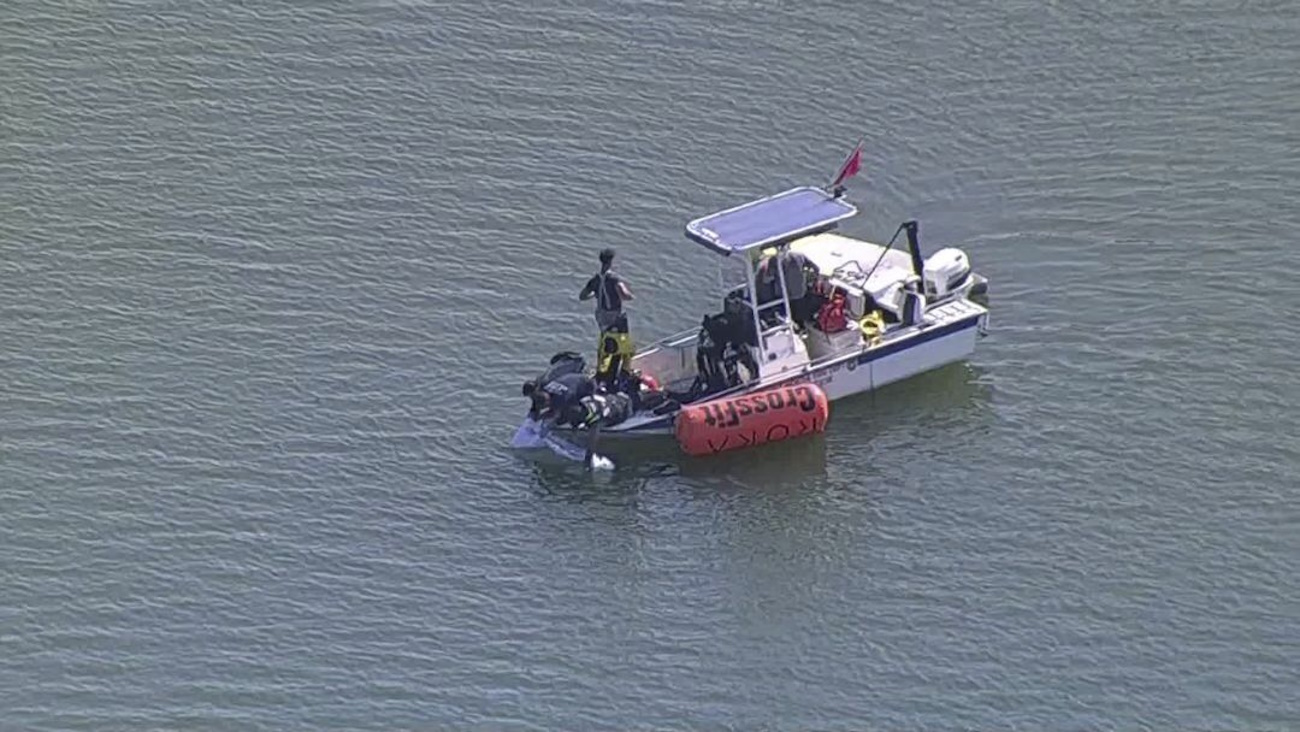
(862, 315)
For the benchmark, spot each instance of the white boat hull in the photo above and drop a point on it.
(899, 359)
(948, 336)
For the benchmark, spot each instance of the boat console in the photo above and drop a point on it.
(870, 275)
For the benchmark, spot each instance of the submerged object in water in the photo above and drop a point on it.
(752, 419)
(532, 434)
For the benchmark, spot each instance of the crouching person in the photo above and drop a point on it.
(591, 413)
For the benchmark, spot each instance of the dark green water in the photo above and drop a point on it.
(270, 278)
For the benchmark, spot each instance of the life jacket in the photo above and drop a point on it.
(614, 350)
(832, 317)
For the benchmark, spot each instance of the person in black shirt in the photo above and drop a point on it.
(554, 400)
(615, 350)
(610, 292)
(575, 400)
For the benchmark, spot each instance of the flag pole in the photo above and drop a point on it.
(857, 150)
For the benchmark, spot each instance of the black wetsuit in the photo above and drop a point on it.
(609, 301)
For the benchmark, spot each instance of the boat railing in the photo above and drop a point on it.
(681, 338)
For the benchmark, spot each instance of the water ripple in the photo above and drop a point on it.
(271, 277)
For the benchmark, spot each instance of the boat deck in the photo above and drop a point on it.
(900, 353)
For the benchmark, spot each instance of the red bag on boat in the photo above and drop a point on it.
(832, 318)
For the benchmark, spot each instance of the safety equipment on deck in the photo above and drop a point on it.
(872, 326)
(614, 353)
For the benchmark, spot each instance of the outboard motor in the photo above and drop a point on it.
(946, 271)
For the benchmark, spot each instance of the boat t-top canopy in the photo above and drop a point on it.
(771, 220)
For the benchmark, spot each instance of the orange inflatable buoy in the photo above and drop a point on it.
(771, 415)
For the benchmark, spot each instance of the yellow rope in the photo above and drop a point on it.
(872, 326)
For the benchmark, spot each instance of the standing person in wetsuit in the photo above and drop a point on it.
(615, 351)
(610, 291)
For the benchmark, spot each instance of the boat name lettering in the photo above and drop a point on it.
(731, 412)
(773, 433)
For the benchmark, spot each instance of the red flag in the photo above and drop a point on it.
(850, 167)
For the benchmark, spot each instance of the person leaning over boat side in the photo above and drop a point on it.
(610, 292)
(553, 400)
(591, 413)
(562, 363)
(576, 400)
